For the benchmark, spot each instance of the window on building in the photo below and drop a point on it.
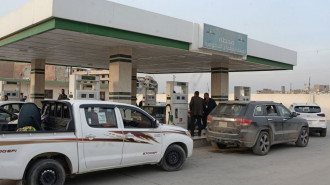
(49, 94)
(102, 95)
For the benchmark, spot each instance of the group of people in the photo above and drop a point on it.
(199, 110)
(22, 98)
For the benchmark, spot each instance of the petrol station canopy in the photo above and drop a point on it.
(80, 33)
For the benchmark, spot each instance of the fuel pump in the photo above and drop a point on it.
(84, 87)
(149, 91)
(242, 93)
(149, 103)
(11, 89)
(177, 103)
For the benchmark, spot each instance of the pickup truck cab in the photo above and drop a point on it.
(75, 137)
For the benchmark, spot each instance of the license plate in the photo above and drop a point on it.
(222, 124)
(311, 122)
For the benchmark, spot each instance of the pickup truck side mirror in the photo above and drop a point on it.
(293, 114)
(155, 124)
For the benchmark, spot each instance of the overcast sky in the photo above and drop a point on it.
(300, 25)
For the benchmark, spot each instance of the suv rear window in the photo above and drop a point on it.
(228, 110)
(307, 109)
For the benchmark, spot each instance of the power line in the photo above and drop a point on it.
(316, 51)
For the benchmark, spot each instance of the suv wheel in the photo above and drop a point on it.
(262, 145)
(303, 138)
(173, 158)
(323, 133)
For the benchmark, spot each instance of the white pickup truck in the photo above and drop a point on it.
(75, 137)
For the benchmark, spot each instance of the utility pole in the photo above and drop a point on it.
(309, 85)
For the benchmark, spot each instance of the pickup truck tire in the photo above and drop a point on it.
(303, 138)
(46, 172)
(262, 145)
(173, 158)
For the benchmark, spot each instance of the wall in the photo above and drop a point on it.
(8, 68)
(323, 100)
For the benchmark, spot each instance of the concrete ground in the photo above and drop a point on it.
(285, 164)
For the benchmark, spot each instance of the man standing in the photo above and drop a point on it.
(196, 106)
(21, 97)
(62, 96)
(209, 106)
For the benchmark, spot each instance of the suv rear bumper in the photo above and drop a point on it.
(316, 129)
(229, 139)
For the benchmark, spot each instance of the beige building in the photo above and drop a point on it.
(56, 77)
(321, 88)
(268, 91)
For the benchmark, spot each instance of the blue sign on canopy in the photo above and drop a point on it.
(223, 40)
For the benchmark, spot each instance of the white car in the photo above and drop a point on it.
(12, 106)
(313, 114)
(76, 137)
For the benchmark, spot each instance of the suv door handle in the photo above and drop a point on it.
(284, 119)
(270, 119)
(90, 136)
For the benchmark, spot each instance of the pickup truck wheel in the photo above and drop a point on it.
(173, 158)
(46, 172)
(323, 133)
(262, 145)
(303, 138)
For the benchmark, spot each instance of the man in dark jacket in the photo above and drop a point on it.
(209, 106)
(196, 106)
(63, 96)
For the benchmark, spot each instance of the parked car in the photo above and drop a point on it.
(12, 106)
(256, 125)
(313, 114)
(76, 137)
(6, 120)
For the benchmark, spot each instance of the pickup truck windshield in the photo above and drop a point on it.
(227, 110)
(307, 109)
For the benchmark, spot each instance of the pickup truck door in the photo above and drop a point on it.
(142, 143)
(101, 136)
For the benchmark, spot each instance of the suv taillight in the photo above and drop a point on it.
(209, 120)
(243, 122)
(321, 115)
(298, 114)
